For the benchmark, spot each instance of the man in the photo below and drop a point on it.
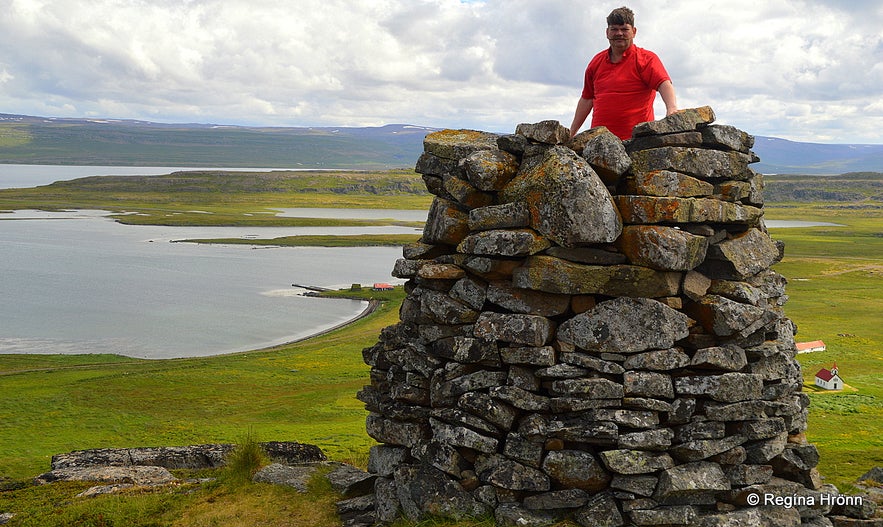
(621, 82)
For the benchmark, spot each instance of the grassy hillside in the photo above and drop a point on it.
(35, 140)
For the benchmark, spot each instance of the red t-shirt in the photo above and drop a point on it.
(623, 93)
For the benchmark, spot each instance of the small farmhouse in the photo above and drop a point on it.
(382, 287)
(809, 347)
(829, 379)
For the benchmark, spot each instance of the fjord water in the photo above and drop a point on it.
(81, 283)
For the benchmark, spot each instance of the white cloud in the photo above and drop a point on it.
(799, 69)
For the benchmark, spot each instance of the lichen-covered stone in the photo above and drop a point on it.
(503, 242)
(549, 132)
(741, 256)
(697, 162)
(666, 183)
(457, 144)
(568, 202)
(662, 248)
(625, 325)
(530, 330)
(490, 170)
(445, 224)
(527, 301)
(505, 216)
(554, 275)
(682, 121)
(606, 154)
(576, 469)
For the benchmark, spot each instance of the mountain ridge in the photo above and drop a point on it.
(130, 142)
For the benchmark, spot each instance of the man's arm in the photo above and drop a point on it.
(667, 90)
(583, 109)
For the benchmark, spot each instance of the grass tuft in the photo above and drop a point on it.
(244, 461)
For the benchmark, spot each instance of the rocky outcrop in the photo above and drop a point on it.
(592, 331)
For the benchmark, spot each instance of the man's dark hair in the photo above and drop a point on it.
(621, 16)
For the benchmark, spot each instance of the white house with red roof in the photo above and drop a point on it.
(809, 347)
(829, 379)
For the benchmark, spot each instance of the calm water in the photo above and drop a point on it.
(78, 282)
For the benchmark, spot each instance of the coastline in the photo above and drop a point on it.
(370, 308)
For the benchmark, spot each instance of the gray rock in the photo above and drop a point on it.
(600, 511)
(383, 459)
(513, 515)
(667, 183)
(529, 330)
(490, 170)
(690, 479)
(727, 387)
(503, 242)
(521, 398)
(458, 144)
(470, 291)
(511, 475)
(350, 481)
(682, 121)
(557, 499)
(624, 461)
(676, 515)
(606, 154)
(726, 358)
(697, 162)
(742, 256)
(494, 411)
(625, 325)
(640, 485)
(505, 216)
(425, 492)
(662, 248)
(589, 388)
(584, 360)
(656, 440)
(395, 432)
(445, 224)
(136, 475)
(658, 360)
(576, 469)
(535, 356)
(724, 317)
(296, 477)
(386, 501)
(527, 301)
(550, 132)
(727, 137)
(587, 255)
(443, 309)
(569, 204)
(554, 275)
(648, 384)
(700, 449)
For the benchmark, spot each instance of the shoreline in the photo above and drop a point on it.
(372, 306)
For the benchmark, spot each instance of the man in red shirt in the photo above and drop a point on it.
(621, 82)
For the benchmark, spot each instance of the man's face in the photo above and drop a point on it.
(621, 35)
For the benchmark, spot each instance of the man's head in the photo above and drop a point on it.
(621, 28)
(621, 16)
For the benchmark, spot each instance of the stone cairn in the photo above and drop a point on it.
(592, 332)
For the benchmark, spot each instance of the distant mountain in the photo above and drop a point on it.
(44, 140)
(121, 142)
(780, 156)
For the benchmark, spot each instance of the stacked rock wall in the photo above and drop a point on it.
(591, 331)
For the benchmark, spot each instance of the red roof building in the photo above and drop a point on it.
(829, 379)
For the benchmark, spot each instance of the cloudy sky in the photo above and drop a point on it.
(805, 70)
